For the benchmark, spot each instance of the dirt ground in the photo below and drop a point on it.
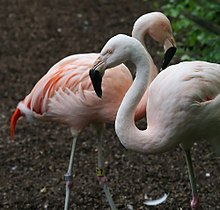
(34, 36)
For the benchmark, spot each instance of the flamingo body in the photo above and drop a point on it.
(182, 105)
(65, 94)
(182, 102)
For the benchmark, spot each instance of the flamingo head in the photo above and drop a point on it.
(158, 27)
(116, 51)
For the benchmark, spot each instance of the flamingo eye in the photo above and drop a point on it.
(110, 51)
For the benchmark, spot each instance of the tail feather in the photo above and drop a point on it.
(14, 118)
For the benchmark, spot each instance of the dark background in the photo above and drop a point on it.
(34, 35)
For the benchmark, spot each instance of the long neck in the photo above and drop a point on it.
(130, 136)
(139, 35)
(139, 32)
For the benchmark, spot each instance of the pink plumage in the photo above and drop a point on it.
(182, 103)
(65, 93)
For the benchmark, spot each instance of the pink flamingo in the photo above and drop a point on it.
(65, 93)
(182, 103)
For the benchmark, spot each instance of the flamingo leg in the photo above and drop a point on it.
(195, 197)
(100, 170)
(68, 176)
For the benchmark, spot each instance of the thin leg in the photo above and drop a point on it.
(68, 175)
(195, 197)
(100, 170)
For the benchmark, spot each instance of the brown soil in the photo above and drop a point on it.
(34, 36)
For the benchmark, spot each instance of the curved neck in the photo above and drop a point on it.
(130, 136)
(139, 32)
(139, 35)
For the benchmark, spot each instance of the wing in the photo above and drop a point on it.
(68, 73)
(185, 97)
(65, 93)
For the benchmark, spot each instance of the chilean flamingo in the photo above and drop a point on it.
(65, 94)
(182, 105)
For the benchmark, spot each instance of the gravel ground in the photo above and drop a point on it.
(34, 36)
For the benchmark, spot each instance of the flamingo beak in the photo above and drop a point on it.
(96, 78)
(168, 57)
(170, 50)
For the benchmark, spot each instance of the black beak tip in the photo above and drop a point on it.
(168, 57)
(96, 79)
(99, 93)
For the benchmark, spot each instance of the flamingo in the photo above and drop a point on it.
(65, 94)
(182, 103)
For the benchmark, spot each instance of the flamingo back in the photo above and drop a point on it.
(188, 102)
(65, 94)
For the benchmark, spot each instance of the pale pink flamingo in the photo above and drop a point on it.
(65, 93)
(183, 103)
